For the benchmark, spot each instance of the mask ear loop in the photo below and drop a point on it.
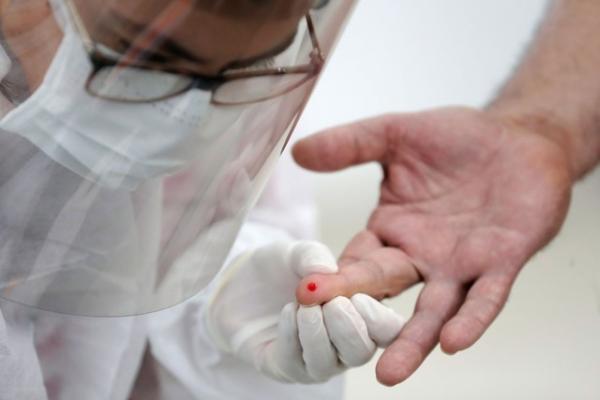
(5, 61)
(13, 84)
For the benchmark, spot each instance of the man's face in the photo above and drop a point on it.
(203, 40)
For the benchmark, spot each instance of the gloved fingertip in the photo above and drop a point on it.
(311, 257)
(289, 309)
(361, 298)
(384, 323)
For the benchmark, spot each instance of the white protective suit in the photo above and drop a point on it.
(163, 355)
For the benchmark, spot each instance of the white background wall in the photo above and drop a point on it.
(401, 55)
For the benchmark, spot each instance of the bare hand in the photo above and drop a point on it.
(467, 198)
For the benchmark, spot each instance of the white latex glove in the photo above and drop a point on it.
(252, 314)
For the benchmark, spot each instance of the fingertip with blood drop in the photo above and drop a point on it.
(312, 290)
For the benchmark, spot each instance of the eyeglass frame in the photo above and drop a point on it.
(99, 62)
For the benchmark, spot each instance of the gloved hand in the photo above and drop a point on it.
(252, 314)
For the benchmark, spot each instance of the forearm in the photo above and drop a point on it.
(555, 91)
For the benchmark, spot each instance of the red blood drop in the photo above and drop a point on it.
(311, 286)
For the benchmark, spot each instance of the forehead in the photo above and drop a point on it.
(240, 10)
(212, 29)
(199, 20)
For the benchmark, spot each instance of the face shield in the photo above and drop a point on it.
(136, 135)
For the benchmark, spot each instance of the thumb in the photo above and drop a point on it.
(346, 145)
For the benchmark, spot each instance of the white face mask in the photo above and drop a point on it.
(117, 145)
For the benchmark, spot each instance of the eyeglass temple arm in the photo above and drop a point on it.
(313, 36)
(85, 36)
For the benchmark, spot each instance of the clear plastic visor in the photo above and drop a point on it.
(127, 167)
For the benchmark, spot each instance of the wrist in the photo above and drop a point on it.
(574, 126)
(543, 146)
(561, 137)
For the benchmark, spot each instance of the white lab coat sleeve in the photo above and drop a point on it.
(187, 363)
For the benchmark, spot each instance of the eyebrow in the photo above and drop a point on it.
(173, 48)
(165, 43)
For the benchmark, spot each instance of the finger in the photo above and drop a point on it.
(362, 243)
(346, 145)
(310, 257)
(382, 273)
(383, 323)
(437, 302)
(348, 332)
(283, 357)
(483, 304)
(318, 353)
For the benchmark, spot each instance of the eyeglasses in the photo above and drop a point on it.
(124, 78)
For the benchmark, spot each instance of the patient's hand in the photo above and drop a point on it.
(466, 200)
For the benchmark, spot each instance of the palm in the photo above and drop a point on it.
(463, 196)
(465, 201)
